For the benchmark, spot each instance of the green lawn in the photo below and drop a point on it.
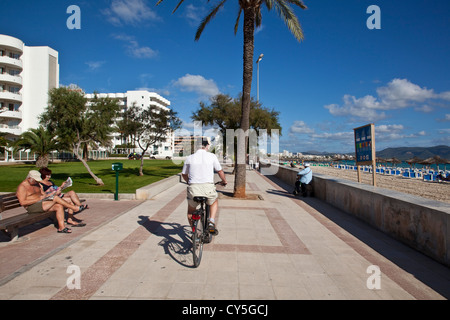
(129, 179)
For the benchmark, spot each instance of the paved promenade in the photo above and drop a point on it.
(274, 247)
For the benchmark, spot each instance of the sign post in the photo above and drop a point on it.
(117, 166)
(365, 149)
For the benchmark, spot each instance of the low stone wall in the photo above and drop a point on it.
(420, 223)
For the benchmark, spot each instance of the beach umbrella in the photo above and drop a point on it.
(437, 160)
(380, 160)
(394, 161)
(414, 160)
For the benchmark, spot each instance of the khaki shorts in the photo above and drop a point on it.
(35, 208)
(207, 190)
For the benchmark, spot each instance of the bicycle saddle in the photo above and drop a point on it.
(200, 199)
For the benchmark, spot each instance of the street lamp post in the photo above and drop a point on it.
(257, 76)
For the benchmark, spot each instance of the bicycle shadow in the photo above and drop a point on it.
(175, 241)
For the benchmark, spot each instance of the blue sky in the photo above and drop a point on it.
(342, 76)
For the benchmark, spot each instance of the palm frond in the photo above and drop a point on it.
(236, 25)
(289, 17)
(298, 3)
(179, 4)
(207, 19)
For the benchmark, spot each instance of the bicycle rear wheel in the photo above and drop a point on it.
(197, 242)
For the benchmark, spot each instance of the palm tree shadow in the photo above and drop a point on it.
(174, 239)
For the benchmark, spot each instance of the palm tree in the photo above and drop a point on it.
(252, 19)
(39, 141)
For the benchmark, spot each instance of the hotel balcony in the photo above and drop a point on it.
(15, 130)
(11, 62)
(14, 80)
(10, 114)
(6, 95)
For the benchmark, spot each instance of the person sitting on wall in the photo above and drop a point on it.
(304, 177)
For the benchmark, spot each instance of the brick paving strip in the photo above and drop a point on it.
(40, 241)
(391, 270)
(97, 274)
(291, 243)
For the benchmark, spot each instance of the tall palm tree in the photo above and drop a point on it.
(39, 141)
(252, 19)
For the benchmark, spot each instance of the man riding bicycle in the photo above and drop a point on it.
(198, 172)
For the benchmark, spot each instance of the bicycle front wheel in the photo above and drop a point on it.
(197, 242)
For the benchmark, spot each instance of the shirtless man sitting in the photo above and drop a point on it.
(31, 196)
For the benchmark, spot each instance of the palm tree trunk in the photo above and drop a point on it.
(240, 172)
(42, 161)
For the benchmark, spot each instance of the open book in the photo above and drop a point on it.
(50, 192)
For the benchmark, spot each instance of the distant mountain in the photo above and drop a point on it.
(318, 153)
(405, 153)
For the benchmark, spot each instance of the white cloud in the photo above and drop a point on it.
(129, 12)
(445, 95)
(425, 108)
(393, 132)
(133, 48)
(194, 15)
(300, 127)
(363, 108)
(141, 52)
(444, 131)
(197, 84)
(398, 94)
(94, 65)
(389, 128)
(344, 136)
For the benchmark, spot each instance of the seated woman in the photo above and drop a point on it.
(70, 197)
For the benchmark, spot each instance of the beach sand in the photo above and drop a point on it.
(430, 190)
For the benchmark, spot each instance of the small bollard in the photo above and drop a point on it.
(117, 166)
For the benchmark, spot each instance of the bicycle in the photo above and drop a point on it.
(201, 234)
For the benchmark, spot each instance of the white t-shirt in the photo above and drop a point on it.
(200, 167)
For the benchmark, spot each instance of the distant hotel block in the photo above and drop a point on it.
(143, 99)
(26, 76)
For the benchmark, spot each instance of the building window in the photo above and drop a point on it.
(14, 55)
(14, 72)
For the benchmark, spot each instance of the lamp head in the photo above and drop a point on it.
(260, 58)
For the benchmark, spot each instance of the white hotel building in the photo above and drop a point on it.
(26, 76)
(143, 99)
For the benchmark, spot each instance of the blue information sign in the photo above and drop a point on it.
(364, 144)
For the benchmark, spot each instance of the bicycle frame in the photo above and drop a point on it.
(201, 215)
(201, 234)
